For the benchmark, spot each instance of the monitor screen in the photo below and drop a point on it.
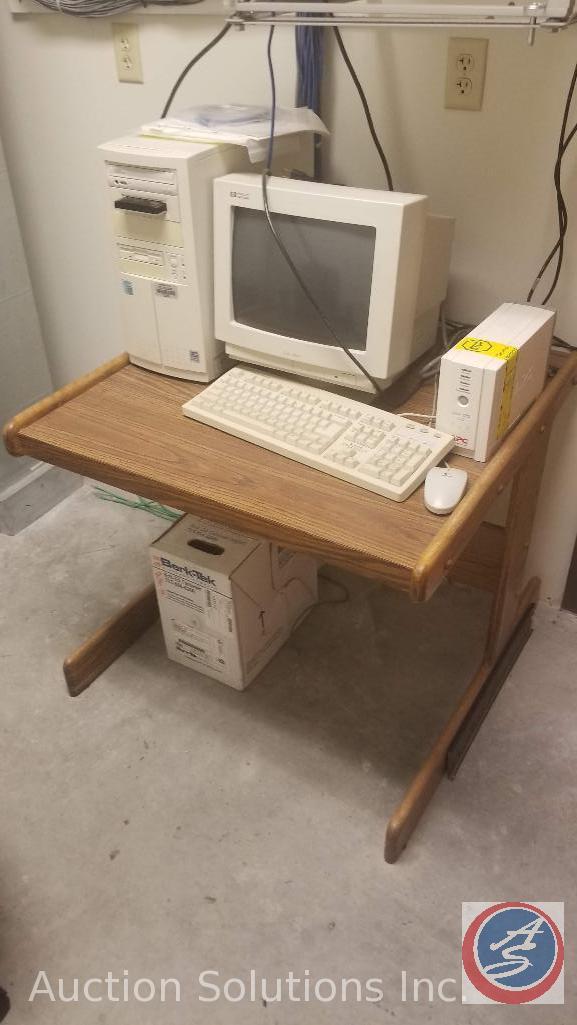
(334, 259)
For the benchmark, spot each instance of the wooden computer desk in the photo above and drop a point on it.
(124, 426)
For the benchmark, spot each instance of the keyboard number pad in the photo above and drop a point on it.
(380, 455)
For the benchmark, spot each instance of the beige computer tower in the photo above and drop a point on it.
(159, 193)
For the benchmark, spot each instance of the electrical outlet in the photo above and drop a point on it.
(466, 66)
(127, 52)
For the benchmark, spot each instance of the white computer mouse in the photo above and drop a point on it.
(444, 489)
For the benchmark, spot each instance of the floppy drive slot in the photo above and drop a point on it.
(141, 205)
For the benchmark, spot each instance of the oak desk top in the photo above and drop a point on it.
(123, 425)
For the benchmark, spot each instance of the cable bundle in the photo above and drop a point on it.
(309, 54)
(309, 49)
(89, 8)
(103, 8)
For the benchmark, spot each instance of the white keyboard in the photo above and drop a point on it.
(379, 451)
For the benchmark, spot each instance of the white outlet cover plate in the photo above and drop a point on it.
(126, 39)
(466, 66)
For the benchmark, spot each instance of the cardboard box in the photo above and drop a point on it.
(228, 602)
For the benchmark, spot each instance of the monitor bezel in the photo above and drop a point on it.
(399, 223)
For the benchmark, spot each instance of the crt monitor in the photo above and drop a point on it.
(376, 263)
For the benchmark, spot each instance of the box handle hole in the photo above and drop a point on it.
(205, 546)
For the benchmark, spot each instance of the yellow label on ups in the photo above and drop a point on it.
(508, 353)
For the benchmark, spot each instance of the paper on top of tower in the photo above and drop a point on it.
(240, 125)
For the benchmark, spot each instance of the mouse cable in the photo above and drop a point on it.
(288, 258)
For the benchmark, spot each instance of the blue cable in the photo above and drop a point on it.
(309, 54)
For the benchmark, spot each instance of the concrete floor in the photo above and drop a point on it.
(163, 825)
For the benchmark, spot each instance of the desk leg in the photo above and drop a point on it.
(109, 641)
(509, 628)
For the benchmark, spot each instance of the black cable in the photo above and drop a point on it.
(288, 258)
(563, 218)
(563, 224)
(563, 343)
(562, 215)
(272, 79)
(206, 49)
(568, 139)
(366, 109)
(276, 236)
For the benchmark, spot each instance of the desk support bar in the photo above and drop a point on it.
(488, 694)
(104, 646)
(511, 603)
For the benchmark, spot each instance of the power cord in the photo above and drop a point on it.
(281, 246)
(365, 106)
(345, 597)
(452, 331)
(450, 337)
(562, 215)
(560, 343)
(201, 53)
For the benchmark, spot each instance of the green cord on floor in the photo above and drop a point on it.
(142, 504)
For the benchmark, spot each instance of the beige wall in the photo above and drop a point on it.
(492, 170)
(52, 122)
(24, 373)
